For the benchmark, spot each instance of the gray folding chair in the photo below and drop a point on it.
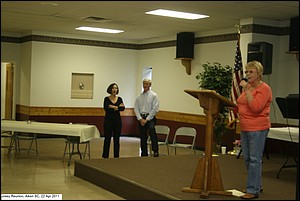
(162, 132)
(184, 138)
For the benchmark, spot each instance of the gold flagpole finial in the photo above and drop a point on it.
(238, 28)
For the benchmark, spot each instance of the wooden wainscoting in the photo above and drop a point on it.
(95, 115)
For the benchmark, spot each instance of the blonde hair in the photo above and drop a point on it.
(257, 65)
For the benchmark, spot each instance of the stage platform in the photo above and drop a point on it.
(164, 177)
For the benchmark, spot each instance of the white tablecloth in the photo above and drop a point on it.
(290, 134)
(85, 132)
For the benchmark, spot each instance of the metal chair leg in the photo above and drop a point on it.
(36, 147)
(29, 148)
(12, 145)
(66, 145)
(70, 154)
(87, 150)
(168, 149)
(73, 152)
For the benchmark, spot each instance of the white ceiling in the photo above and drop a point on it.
(21, 17)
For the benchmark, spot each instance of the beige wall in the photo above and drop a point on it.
(53, 64)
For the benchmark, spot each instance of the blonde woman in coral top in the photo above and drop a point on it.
(253, 107)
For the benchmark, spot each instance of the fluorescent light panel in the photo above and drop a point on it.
(176, 14)
(94, 29)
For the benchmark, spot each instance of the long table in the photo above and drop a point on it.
(289, 134)
(85, 132)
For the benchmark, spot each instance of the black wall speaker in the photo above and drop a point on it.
(185, 45)
(262, 52)
(294, 34)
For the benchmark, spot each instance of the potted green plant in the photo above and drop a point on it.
(219, 78)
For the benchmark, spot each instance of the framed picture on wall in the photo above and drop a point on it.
(82, 85)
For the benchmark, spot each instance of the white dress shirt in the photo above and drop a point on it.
(146, 103)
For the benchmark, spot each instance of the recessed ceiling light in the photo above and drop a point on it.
(176, 14)
(94, 29)
(49, 3)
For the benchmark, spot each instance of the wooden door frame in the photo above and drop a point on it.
(9, 95)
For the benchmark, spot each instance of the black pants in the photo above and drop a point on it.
(144, 130)
(109, 132)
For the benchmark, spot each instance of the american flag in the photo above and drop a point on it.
(237, 77)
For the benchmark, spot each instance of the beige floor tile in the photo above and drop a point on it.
(49, 174)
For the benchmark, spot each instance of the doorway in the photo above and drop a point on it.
(7, 80)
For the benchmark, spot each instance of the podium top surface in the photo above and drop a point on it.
(210, 93)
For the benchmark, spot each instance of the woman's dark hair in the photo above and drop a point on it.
(109, 88)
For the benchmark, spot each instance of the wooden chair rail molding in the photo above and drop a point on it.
(92, 111)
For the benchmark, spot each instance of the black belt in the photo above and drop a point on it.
(144, 116)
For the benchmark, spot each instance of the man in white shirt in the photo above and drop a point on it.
(146, 107)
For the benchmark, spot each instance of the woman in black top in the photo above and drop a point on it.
(113, 104)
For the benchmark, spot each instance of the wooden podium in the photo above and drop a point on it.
(207, 178)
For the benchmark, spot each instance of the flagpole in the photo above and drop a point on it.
(238, 26)
(237, 75)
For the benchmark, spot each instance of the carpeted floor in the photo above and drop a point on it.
(165, 177)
